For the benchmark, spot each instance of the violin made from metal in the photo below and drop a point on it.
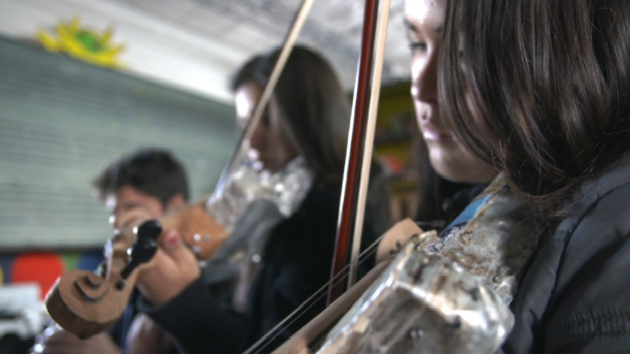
(447, 294)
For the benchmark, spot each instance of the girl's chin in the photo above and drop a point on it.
(448, 162)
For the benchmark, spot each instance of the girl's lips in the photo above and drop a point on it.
(433, 135)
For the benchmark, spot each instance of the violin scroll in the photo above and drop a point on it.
(85, 303)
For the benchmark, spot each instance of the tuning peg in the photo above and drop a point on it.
(149, 229)
(143, 249)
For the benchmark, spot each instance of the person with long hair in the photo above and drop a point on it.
(304, 127)
(450, 175)
(540, 89)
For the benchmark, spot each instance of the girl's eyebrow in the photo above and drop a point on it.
(438, 29)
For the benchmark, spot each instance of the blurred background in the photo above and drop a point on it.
(84, 81)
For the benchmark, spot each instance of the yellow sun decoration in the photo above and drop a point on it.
(83, 44)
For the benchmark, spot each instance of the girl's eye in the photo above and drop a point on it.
(417, 46)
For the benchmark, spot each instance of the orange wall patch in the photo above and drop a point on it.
(41, 267)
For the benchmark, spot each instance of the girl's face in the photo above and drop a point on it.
(268, 148)
(424, 20)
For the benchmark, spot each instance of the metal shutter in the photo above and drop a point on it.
(62, 120)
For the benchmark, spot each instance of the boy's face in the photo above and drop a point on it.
(128, 207)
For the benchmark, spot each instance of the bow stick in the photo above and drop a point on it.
(360, 146)
(296, 27)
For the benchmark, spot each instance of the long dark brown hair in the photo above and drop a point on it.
(312, 109)
(541, 87)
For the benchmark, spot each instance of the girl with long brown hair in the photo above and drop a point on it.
(541, 89)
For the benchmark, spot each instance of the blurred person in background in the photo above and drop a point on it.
(146, 183)
(305, 128)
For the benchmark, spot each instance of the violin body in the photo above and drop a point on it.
(86, 303)
(199, 230)
(441, 295)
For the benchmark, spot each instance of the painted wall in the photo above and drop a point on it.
(63, 120)
(44, 267)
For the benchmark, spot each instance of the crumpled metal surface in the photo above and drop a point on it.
(496, 243)
(446, 295)
(286, 188)
(423, 303)
(250, 205)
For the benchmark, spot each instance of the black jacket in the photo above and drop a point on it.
(296, 263)
(575, 294)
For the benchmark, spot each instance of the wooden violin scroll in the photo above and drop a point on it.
(85, 303)
(88, 305)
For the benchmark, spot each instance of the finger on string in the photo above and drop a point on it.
(272, 334)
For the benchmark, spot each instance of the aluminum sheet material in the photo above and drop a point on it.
(497, 242)
(447, 294)
(423, 303)
(286, 188)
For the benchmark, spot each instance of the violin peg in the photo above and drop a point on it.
(144, 248)
(149, 229)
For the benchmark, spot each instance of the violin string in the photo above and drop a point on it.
(272, 334)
